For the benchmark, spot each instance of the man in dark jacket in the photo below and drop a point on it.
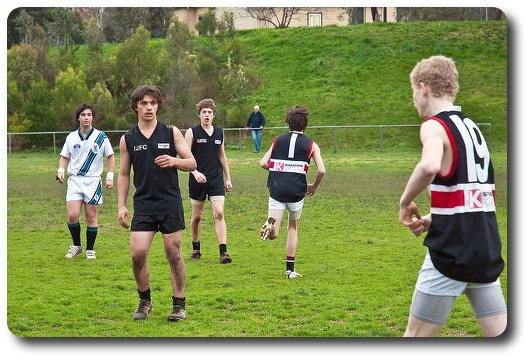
(256, 122)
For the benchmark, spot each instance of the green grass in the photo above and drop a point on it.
(359, 264)
(360, 74)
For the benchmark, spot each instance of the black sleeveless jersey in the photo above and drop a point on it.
(288, 165)
(206, 149)
(157, 189)
(463, 239)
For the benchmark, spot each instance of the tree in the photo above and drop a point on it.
(280, 18)
(22, 66)
(66, 27)
(135, 65)
(70, 90)
(120, 23)
(93, 35)
(207, 24)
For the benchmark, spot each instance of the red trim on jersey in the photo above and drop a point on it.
(310, 150)
(274, 143)
(447, 200)
(453, 147)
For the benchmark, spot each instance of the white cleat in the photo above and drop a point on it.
(292, 274)
(73, 251)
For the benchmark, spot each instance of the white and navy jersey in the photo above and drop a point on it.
(206, 149)
(288, 166)
(157, 189)
(86, 152)
(463, 239)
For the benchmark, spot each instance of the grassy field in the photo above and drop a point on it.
(359, 264)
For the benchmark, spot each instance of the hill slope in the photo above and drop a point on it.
(360, 74)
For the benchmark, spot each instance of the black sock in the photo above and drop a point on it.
(145, 295)
(289, 264)
(180, 302)
(222, 249)
(196, 245)
(75, 231)
(91, 234)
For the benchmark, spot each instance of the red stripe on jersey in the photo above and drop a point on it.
(274, 143)
(310, 152)
(450, 199)
(453, 147)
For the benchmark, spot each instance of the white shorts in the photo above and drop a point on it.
(276, 209)
(432, 282)
(86, 188)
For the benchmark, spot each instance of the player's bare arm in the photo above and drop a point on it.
(63, 163)
(199, 177)
(226, 169)
(432, 137)
(321, 170)
(264, 162)
(124, 180)
(111, 164)
(185, 161)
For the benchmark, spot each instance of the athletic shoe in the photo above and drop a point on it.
(292, 274)
(177, 314)
(144, 308)
(195, 255)
(73, 251)
(267, 228)
(225, 258)
(90, 254)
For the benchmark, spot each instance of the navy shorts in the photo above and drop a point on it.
(165, 223)
(201, 192)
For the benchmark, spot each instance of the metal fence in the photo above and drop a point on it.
(333, 137)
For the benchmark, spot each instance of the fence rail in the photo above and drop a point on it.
(328, 136)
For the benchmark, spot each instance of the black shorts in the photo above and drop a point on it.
(200, 193)
(165, 223)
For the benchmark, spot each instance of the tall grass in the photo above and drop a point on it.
(359, 264)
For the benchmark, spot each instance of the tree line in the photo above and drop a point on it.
(46, 81)
(56, 59)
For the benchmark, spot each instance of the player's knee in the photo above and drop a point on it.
(138, 257)
(219, 215)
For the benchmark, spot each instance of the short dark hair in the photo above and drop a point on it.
(297, 118)
(82, 107)
(142, 91)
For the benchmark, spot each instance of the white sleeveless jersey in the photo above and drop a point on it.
(86, 153)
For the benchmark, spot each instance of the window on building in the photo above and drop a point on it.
(314, 19)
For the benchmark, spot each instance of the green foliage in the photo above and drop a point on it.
(70, 90)
(93, 35)
(134, 63)
(22, 66)
(207, 25)
(359, 264)
(353, 75)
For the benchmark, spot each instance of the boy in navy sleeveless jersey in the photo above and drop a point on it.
(151, 148)
(83, 153)
(287, 161)
(464, 246)
(207, 146)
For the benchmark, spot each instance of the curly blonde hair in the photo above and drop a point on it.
(439, 73)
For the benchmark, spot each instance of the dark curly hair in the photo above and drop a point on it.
(297, 118)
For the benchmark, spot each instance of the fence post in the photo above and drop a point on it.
(240, 140)
(9, 140)
(381, 137)
(334, 139)
(54, 150)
